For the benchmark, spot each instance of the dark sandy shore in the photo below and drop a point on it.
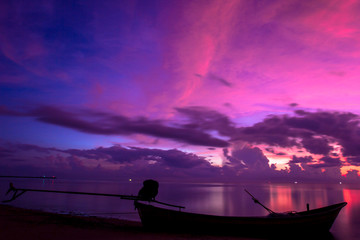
(23, 224)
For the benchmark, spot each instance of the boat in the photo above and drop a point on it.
(317, 220)
(153, 217)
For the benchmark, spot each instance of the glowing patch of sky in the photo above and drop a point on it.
(244, 59)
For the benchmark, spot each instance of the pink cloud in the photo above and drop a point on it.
(123, 162)
(212, 71)
(270, 55)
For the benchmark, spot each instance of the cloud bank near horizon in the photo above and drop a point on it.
(325, 142)
(317, 132)
(119, 162)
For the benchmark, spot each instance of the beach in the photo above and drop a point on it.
(18, 224)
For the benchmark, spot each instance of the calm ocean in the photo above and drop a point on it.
(209, 198)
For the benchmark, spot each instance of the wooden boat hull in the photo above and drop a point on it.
(316, 220)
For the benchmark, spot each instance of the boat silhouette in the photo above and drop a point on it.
(153, 217)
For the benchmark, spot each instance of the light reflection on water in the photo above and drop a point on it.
(210, 198)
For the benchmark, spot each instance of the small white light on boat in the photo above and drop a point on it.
(340, 182)
(130, 179)
(295, 182)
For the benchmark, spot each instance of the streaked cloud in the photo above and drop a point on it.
(239, 83)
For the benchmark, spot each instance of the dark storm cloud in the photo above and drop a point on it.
(253, 158)
(306, 159)
(123, 161)
(271, 150)
(249, 158)
(309, 162)
(246, 162)
(233, 161)
(317, 145)
(326, 162)
(354, 160)
(133, 161)
(118, 154)
(205, 119)
(336, 126)
(119, 162)
(317, 130)
(271, 131)
(313, 131)
(110, 124)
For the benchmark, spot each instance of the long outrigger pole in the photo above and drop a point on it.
(257, 201)
(19, 191)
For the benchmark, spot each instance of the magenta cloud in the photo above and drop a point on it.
(118, 154)
(119, 162)
(313, 131)
(110, 124)
(231, 82)
(316, 130)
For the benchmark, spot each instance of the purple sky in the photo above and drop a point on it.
(207, 90)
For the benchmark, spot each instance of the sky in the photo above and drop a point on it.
(232, 90)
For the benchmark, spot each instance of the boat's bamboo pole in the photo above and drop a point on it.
(131, 197)
(121, 196)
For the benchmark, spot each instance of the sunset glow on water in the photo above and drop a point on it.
(205, 198)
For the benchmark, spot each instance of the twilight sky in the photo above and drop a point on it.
(216, 90)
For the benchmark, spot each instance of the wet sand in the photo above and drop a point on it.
(20, 224)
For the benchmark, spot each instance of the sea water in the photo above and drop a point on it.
(226, 199)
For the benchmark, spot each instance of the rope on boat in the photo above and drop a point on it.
(258, 202)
